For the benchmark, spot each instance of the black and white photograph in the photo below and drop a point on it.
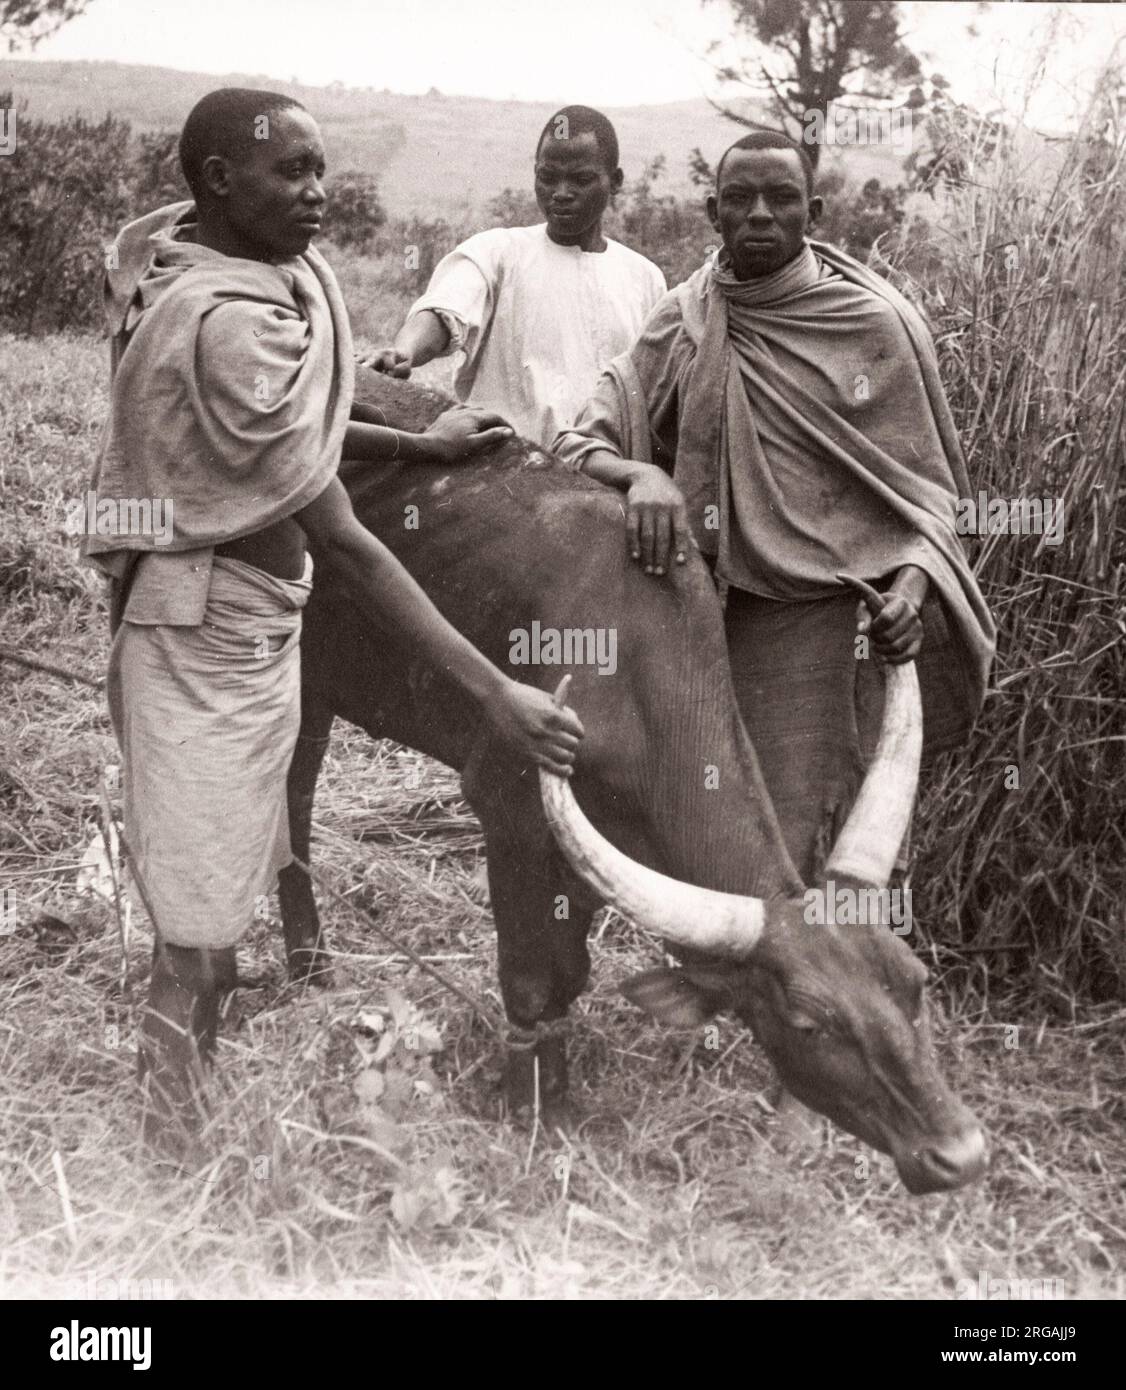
(562, 664)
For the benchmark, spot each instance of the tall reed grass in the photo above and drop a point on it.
(1023, 275)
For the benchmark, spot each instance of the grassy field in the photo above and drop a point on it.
(356, 1146)
(433, 155)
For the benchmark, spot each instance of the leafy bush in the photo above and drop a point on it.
(63, 190)
(155, 177)
(354, 213)
(673, 232)
(855, 219)
(417, 244)
(514, 207)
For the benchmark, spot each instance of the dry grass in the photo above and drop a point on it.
(347, 1162)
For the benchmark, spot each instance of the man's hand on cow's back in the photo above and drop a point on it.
(463, 432)
(656, 520)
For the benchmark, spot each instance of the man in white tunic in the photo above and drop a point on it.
(538, 312)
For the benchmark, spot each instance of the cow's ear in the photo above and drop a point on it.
(669, 996)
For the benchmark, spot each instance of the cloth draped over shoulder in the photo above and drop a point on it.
(803, 418)
(231, 391)
(232, 385)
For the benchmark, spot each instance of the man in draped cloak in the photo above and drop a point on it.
(782, 410)
(231, 403)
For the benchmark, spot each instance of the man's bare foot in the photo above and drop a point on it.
(178, 1031)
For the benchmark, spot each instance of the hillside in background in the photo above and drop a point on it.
(433, 154)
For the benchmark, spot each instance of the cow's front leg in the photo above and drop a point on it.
(306, 957)
(542, 914)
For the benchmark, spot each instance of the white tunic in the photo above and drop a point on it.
(538, 322)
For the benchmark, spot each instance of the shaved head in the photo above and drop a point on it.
(572, 121)
(226, 122)
(763, 205)
(771, 140)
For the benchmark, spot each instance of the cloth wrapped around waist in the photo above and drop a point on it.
(813, 712)
(207, 719)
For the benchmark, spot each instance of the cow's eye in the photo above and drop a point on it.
(805, 1022)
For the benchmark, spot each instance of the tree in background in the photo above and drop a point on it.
(809, 53)
(28, 21)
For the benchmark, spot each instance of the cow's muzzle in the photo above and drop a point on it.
(943, 1166)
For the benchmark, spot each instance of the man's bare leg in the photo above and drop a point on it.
(178, 1033)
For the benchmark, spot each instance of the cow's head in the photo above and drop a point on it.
(839, 1008)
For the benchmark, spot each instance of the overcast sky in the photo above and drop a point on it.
(605, 52)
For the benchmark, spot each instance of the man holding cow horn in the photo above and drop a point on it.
(782, 410)
(231, 399)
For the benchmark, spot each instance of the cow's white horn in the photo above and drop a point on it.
(722, 924)
(870, 840)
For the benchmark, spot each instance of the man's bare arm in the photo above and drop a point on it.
(523, 717)
(458, 433)
(911, 583)
(656, 521)
(423, 337)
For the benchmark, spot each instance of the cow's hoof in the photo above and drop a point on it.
(310, 966)
(536, 1079)
(557, 1115)
(562, 1115)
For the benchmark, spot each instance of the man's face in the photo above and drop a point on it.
(573, 185)
(761, 210)
(272, 194)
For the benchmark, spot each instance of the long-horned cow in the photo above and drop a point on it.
(667, 816)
